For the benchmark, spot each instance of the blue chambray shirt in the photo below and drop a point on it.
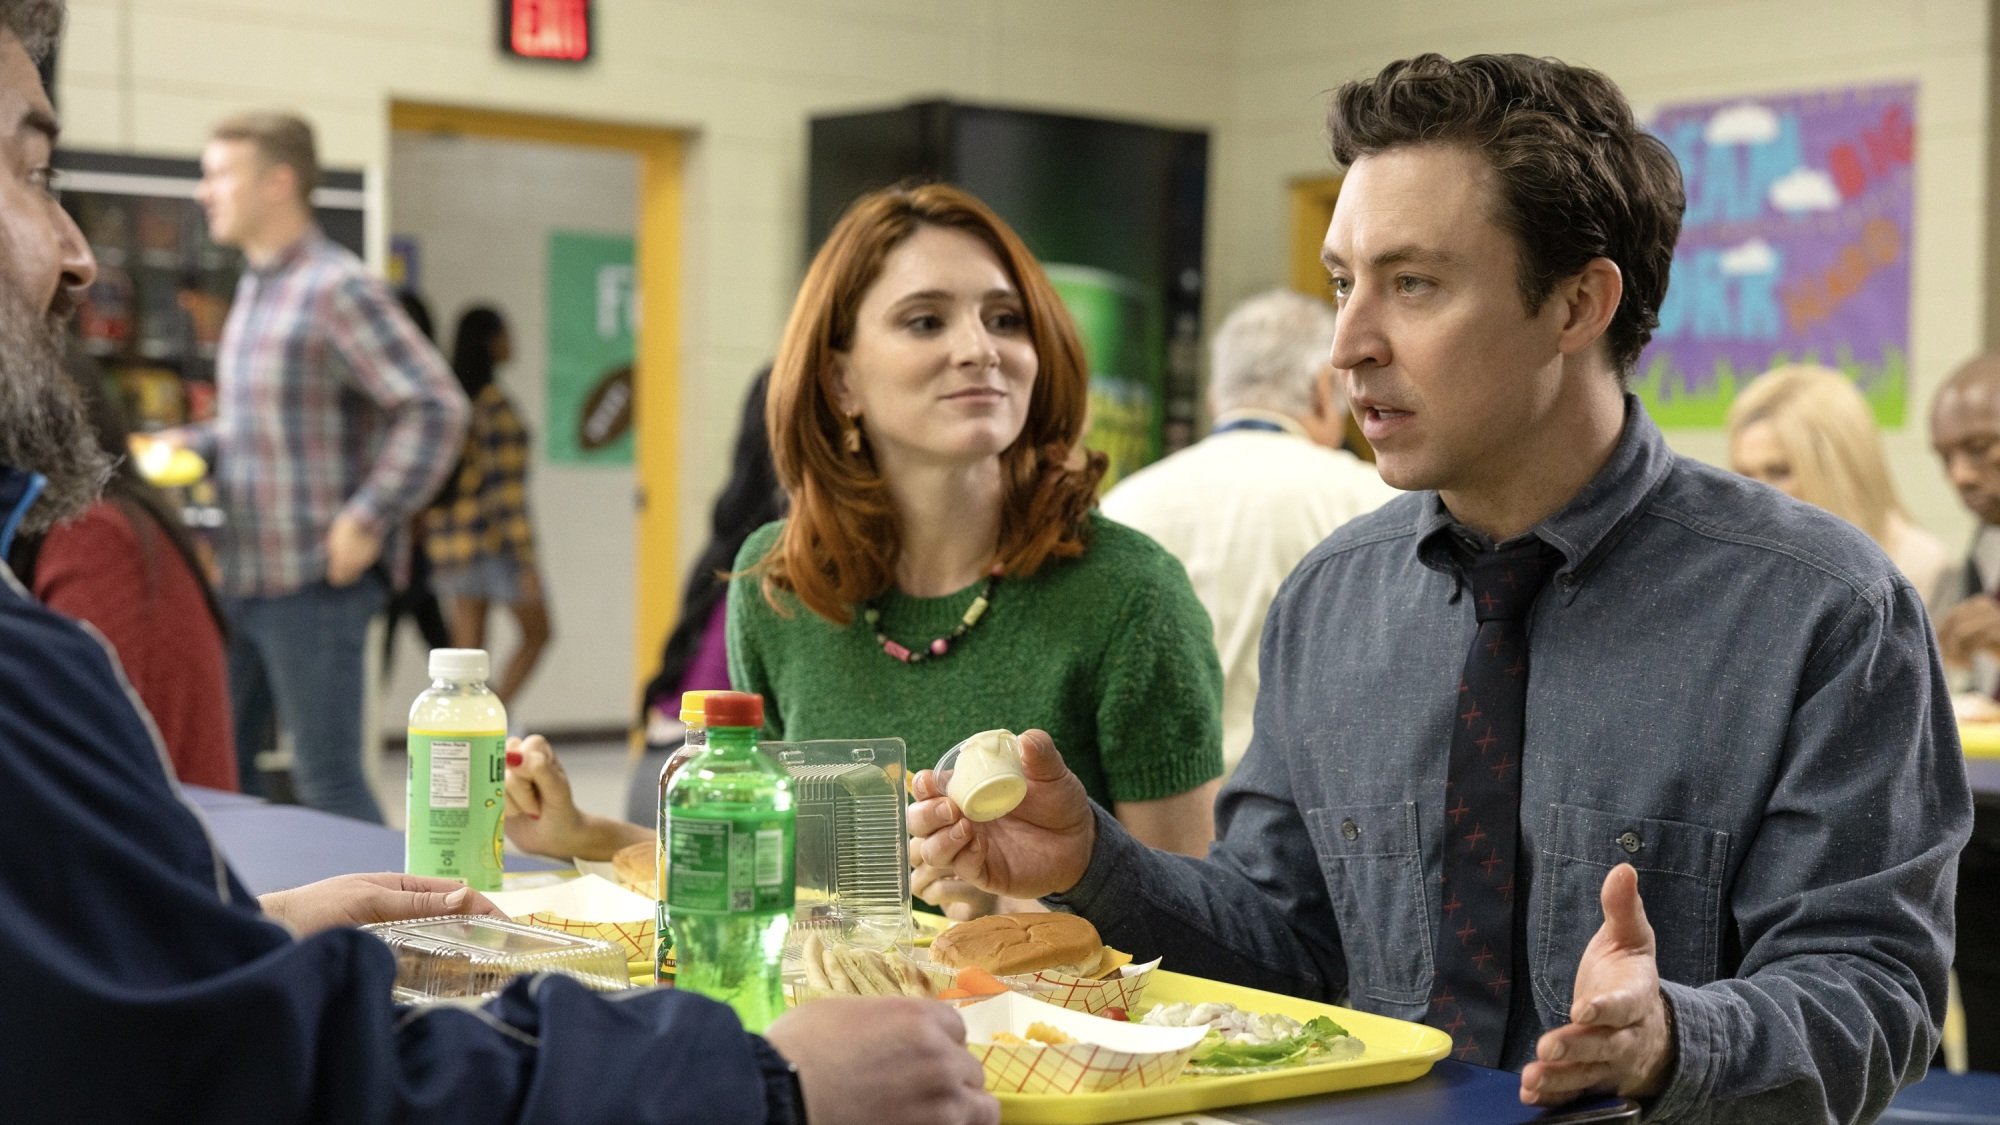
(1735, 692)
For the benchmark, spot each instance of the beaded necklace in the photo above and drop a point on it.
(941, 646)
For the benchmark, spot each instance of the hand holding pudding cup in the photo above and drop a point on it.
(983, 775)
(1041, 847)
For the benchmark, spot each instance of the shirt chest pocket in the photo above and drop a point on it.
(1374, 875)
(1680, 869)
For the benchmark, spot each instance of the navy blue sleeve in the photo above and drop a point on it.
(141, 982)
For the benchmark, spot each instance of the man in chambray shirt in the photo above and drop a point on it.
(1741, 797)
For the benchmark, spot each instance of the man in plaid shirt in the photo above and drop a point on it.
(336, 421)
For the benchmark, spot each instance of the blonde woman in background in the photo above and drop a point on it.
(1807, 432)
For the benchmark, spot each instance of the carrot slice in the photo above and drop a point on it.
(979, 982)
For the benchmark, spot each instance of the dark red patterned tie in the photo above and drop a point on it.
(1475, 934)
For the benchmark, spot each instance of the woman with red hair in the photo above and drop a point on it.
(942, 570)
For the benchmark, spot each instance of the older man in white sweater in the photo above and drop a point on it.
(1241, 507)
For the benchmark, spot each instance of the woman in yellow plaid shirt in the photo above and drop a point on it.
(480, 539)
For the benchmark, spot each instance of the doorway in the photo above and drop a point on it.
(1312, 209)
(528, 213)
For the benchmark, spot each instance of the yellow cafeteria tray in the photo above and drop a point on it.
(1395, 1052)
(1980, 740)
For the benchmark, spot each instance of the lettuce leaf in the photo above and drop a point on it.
(1314, 1039)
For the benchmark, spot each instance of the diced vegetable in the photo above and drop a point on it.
(979, 982)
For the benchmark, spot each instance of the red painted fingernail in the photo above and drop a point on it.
(534, 816)
(514, 758)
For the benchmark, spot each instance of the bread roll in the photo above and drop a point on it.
(635, 864)
(1004, 944)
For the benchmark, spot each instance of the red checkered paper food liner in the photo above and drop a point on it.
(1106, 1054)
(587, 906)
(1079, 994)
(635, 939)
(1082, 994)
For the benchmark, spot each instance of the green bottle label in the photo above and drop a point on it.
(663, 934)
(458, 798)
(729, 865)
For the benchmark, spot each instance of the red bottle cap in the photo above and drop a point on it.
(734, 709)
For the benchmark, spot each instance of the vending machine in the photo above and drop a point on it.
(152, 318)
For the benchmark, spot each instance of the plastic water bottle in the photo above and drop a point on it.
(458, 773)
(695, 741)
(730, 834)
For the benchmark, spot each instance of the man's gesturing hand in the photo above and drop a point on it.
(1042, 847)
(1619, 1042)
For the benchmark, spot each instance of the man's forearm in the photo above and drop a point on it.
(1198, 915)
(424, 442)
(1806, 1044)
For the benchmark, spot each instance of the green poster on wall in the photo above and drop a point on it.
(593, 323)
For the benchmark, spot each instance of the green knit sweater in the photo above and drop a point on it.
(1108, 652)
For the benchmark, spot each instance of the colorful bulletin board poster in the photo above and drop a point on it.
(593, 326)
(1795, 248)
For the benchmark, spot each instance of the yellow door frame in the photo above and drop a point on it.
(1312, 209)
(656, 369)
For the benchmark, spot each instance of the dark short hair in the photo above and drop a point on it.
(279, 138)
(1577, 178)
(36, 23)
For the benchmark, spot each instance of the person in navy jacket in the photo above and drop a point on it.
(143, 982)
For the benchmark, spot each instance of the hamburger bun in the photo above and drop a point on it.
(1006, 944)
(635, 866)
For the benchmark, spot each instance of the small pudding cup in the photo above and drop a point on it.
(983, 775)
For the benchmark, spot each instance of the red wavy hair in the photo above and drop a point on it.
(842, 537)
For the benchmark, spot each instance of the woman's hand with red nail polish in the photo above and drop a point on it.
(542, 817)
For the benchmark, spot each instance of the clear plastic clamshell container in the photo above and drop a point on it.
(852, 857)
(466, 958)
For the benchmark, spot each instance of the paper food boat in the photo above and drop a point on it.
(1106, 1054)
(587, 906)
(1079, 994)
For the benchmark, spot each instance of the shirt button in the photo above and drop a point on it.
(1348, 830)
(1631, 842)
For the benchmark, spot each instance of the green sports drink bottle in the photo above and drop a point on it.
(693, 744)
(730, 834)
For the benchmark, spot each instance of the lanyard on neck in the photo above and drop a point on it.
(17, 494)
(1247, 424)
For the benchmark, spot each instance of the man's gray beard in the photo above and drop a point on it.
(43, 427)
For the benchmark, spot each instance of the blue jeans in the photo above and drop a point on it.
(303, 651)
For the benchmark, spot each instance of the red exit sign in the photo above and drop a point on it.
(546, 29)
